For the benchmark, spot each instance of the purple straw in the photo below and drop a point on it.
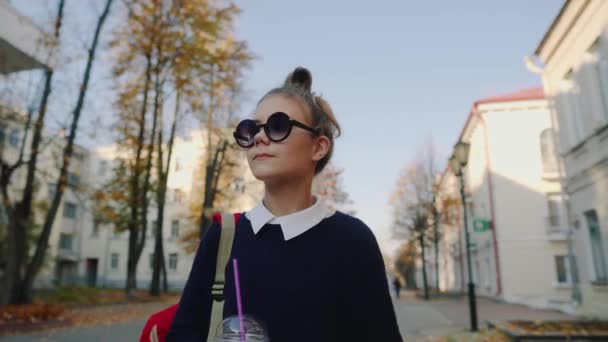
(239, 304)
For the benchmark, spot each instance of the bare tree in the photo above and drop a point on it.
(413, 201)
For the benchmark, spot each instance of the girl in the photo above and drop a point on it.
(307, 272)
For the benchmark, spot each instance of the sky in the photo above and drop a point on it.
(398, 74)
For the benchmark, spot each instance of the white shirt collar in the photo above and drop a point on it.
(293, 224)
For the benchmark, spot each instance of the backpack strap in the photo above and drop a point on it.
(227, 223)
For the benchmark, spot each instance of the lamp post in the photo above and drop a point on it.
(458, 161)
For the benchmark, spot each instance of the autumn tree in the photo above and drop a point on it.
(180, 51)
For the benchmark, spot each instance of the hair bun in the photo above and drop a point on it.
(300, 77)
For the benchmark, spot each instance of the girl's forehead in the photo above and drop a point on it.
(278, 103)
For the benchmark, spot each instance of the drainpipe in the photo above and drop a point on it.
(491, 199)
(576, 292)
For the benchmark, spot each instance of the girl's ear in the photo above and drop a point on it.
(320, 148)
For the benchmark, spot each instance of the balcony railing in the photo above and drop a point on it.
(556, 227)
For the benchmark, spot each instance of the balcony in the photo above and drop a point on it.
(556, 229)
(22, 43)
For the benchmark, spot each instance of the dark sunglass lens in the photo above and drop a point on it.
(245, 132)
(278, 126)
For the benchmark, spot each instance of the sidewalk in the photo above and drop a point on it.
(421, 320)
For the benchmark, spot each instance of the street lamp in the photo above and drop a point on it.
(458, 161)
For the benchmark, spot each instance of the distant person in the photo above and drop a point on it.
(397, 285)
(308, 273)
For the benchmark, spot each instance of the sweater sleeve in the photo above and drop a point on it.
(191, 321)
(367, 312)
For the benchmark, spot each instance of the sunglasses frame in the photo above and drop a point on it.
(258, 127)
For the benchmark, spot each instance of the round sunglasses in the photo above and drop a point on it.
(277, 128)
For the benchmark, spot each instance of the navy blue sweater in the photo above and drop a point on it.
(327, 284)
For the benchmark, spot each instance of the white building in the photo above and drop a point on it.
(574, 52)
(514, 207)
(48, 164)
(83, 252)
(104, 253)
(22, 43)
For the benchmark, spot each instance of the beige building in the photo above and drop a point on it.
(514, 206)
(574, 54)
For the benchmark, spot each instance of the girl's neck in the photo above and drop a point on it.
(288, 197)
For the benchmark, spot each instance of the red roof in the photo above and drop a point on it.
(535, 93)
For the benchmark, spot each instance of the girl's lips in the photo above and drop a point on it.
(262, 156)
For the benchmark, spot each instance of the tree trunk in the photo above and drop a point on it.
(164, 270)
(424, 280)
(163, 176)
(19, 217)
(212, 177)
(436, 241)
(24, 295)
(141, 226)
(134, 186)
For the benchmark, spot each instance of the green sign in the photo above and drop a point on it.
(481, 225)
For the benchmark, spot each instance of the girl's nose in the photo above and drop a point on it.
(261, 138)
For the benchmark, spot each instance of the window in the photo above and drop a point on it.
(114, 261)
(151, 261)
(553, 211)
(597, 250)
(488, 272)
(78, 155)
(178, 196)
(173, 261)
(561, 269)
(73, 179)
(177, 164)
(101, 167)
(239, 185)
(69, 210)
(65, 241)
(95, 229)
(13, 138)
(597, 67)
(51, 190)
(175, 229)
(570, 105)
(547, 151)
(152, 229)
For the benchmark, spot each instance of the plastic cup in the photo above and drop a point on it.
(230, 330)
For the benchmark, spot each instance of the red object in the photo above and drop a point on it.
(163, 319)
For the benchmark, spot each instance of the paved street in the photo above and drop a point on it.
(115, 333)
(418, 320)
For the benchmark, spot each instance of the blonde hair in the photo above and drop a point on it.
(298, 85)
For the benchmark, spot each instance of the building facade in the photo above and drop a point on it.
(574, 54)
(514, 206)
(83, 251)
